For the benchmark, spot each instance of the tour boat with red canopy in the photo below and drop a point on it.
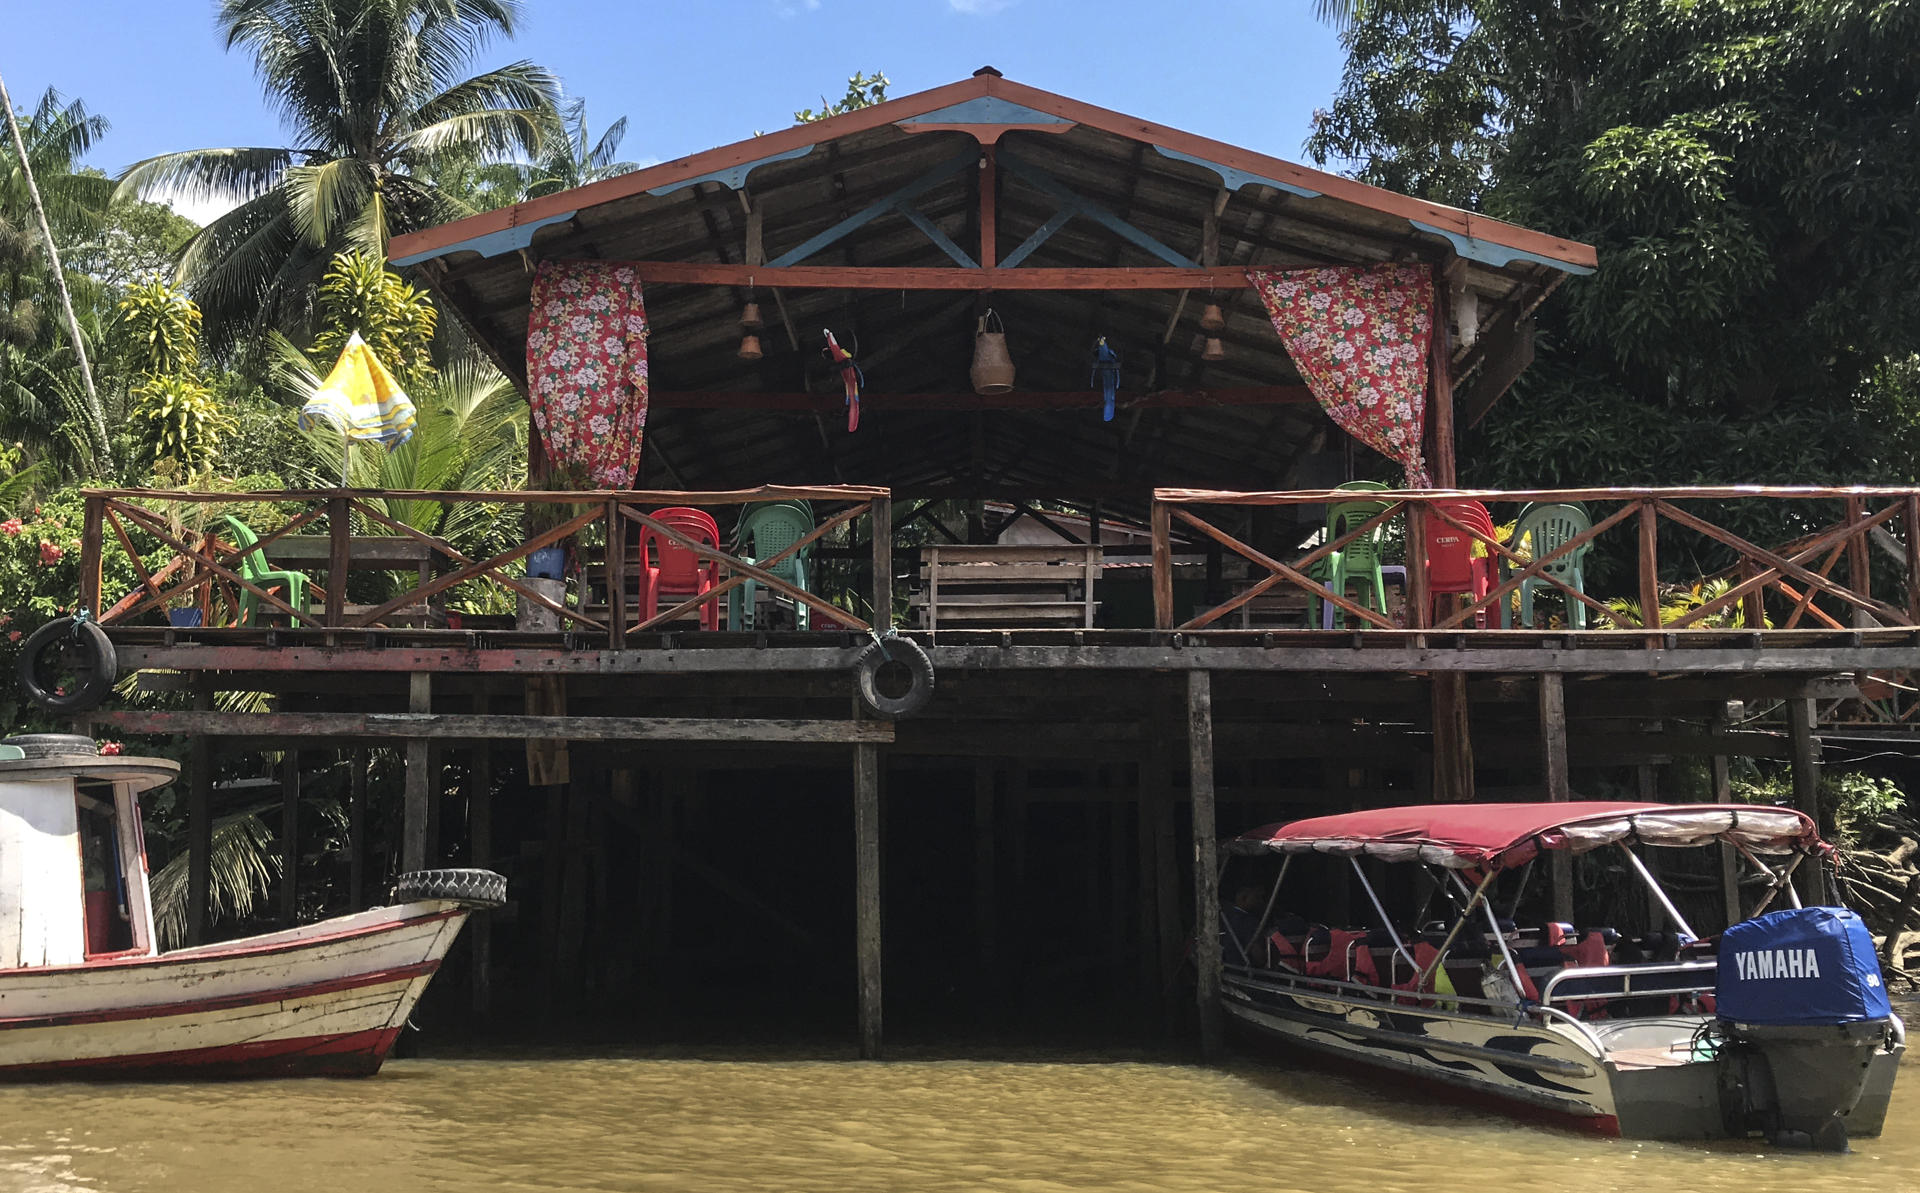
(86, 992)
(1546, 996)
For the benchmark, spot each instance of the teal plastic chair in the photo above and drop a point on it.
(1359, 561)
(254, 570)
(766, 530)
(1547, 527)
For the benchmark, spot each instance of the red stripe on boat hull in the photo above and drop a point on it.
(349, 1054)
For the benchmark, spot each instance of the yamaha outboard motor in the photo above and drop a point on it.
(1803, 1009)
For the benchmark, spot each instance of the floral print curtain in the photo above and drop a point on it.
(587, 369)
(1359, 334)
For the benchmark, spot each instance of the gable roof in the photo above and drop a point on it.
(1094, 190)
(988, 98)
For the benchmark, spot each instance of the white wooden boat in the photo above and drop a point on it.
(1779, 1027)
(86, 993)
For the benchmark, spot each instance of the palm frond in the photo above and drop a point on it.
(242, 867)
(324, 199)
(235, 174)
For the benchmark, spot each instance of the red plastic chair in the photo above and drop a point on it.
(669, 569)
(1452, 567)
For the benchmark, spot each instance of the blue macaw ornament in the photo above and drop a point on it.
(1106, 375)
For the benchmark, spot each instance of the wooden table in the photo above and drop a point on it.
(365, 553)
(989, 586)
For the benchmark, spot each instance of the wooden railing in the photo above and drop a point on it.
(1848, 523)
(204, 563)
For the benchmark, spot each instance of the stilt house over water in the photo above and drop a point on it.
(1081, 407)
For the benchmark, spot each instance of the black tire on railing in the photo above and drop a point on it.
(469, 888)
(919, 668)
(68, 665)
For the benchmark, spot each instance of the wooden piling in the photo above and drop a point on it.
(480, 840)
(1452, 739)
(357, 830)
(984, 865)
(866, 850)
(1206, 876)
(1811, 876)
(289, 838)
(419, 779)
(199, 818)
(1553, 768)
(1720, 774)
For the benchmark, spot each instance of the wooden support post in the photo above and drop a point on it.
(1419, 599)
(1811, 876)
(357, 830)
(1440, 372)
(1720, 775)
(1206, 875)
(199, 818)
(1859, 561)
(984, 866)
(1753, 606)
(480, 839)
(419, 779)
(989, 208)
(339, 543)
(91, 528)
(1553, 768)
(616, 577)
(570, 949)
(1649, 566)
(289, 838)
(1162, 534)
(1911, 517)
(866, 849)
(882, 517)
(1452, 739)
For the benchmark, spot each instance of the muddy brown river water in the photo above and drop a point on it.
(537, 1123)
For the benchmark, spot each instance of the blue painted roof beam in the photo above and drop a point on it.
(906, 194)
(1060, 193)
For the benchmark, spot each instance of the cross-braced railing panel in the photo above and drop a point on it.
(1797, 576)
(207, 558)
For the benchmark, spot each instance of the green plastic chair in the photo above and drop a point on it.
(766, 530)
(254, 570)
(1359, 561)
(1548, 526)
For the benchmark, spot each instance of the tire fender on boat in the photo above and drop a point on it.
(482, 889)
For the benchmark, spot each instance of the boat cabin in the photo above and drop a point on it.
(73, 860)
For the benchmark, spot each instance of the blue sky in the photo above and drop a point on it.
(700, 73)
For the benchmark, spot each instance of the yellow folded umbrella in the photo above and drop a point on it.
(362, 399)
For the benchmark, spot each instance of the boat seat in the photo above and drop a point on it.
(1540, 956)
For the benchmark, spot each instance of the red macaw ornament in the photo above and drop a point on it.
(850, 377)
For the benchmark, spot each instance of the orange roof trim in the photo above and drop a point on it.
(1475, 236)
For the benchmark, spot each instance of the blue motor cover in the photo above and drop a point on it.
(1809, 965)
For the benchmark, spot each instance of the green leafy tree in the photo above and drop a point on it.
(42, 403)
(134, 242)
(373, 92)
(576, 158)
(1745, 169)
(863, 91)
(360, 294)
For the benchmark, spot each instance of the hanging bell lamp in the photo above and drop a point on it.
(992, 371)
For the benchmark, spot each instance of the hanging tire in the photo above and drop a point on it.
(469, 888)
(908, 654)
(68, 665)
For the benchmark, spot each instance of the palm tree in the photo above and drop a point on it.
(372, 92)
(41, 403)
(573, 160)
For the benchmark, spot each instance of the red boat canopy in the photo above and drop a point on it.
(1507, 835)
